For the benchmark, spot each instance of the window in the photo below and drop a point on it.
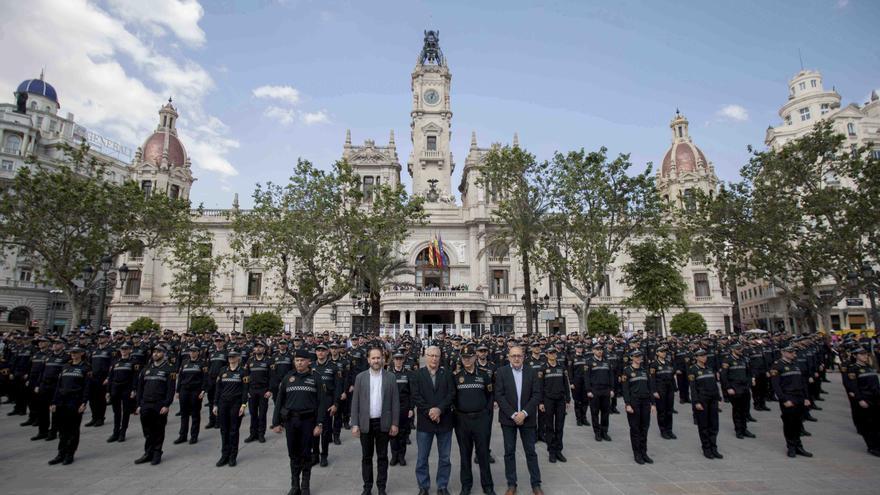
(255, 285)
(368, 189)
(851, 129)
(12, 144)
(7, 166)
(805, 113)
(174, 191)
(788, 119)
(499, 281)
(147, 187)
(802, 86)
(824, 108)
(688, 201)
(256, 251)
(606, 286)
(854, 150)
(432, 143)
(60, 305)
(679, 131)
(52, 125)
(202, 283)
(812, 83)
(875, 154)
(25, 274)
(39, 122)
(133, 283)
(552, 282)
(136, 253)
(701, 284)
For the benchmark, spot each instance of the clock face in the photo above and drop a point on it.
(431, 97)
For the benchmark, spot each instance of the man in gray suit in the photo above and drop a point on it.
(375, 412)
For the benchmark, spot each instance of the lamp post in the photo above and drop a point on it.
(105, 268)
(870, 278)
(537, 305)
(50, 321)
(362, 302)
(235, 315)
(192, 280)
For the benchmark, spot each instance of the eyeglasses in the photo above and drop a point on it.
(516, 356)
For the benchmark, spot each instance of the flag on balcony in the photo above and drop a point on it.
(440, 251)
(431, 261)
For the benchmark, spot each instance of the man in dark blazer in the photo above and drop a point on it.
(518, 393)
(375, 412)
(432, 393)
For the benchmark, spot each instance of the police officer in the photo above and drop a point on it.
(69, 403)
(21, 365)
(488, 367)
(121, 383)
(38, 361)
(663, 372)
(48, 421)
(331, 378)
(535, 360)
(576, 370)
(863, 388)
(637, 387)
(216, 362)
(790, 388)
(192, 383)
(706, 402)
(472, 404)
(231, 402)
(760, 369)
(101, 359)
(344, 365)
(682, 363)
(736, 381)
(301, 414)
(599, 382)
(259, 371)
(155, 394)
(556, 397)
(402, 377)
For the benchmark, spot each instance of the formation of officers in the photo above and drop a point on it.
(53, 381)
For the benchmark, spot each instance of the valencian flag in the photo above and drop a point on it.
(439, 246)
(431, 261)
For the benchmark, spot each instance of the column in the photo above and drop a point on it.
(466, 317)
(402, 319)
(457, 318)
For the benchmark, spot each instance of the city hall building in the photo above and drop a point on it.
(471, 290)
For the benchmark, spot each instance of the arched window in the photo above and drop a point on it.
(20, 316)
(851, 129)
(12, 144)
(431, 271)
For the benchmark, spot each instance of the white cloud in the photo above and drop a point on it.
(181, 17)
(283, 115)
(842, 4)
(115, 78)
(319, 117)
(287, 94)
(733, 112)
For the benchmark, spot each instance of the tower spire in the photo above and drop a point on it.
(348, 137)
(516, 140)
(473, 140)
(391, 139)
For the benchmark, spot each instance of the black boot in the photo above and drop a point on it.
(193, 440)
(792, 451)
(233, 460)
(57, 459)
(224, 460)
(91, 422)
(121, 436)
(181, 439)
(799, 450)
(323, 463)
(295, 470)
(147, 457)
(306, 479)
(114, 437)
(393, 461)
(250, 438)
(157, 459)
(336, 440)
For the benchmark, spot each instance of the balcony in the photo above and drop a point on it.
(253, 297)
(432, 154)
(432, 297)
(503, 297)
(24, 284)
(703, 298)
(499, 259)
(12, 151)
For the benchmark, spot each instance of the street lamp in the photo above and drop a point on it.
(235, 315)
(362, 302)
(537, 305)
(105, 268)
(192, 280)
(869, 276)
(50, 321)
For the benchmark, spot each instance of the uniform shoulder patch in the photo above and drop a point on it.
(489, 387)
(540, 374)
(246, 379)
(691, 377)
(725, 365)
(852, 376)
(174, 376)
(774, 372)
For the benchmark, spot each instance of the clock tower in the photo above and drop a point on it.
(430, 164)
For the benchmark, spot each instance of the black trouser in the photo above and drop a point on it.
(792, 423)
(69, 419)
(867, 421)
(554, 422)
(123, 405)
(321, 444)
(665, 405)
(341, 415)
(98, 398)
(190, 411)
(527, 436)
(579, 397)
(376, 441)
(541, 433)
(19, 394)
(707, 423)
(813, 389)
(153, 425)
(600, 406)
(258, 405)
(229, 422)
(472, 433)
(398, 442)
(299, 431)
(212, 401)
(739, 406)
(345, 406)
(47, 422)
(639, 423)
(684, 390)
(760, 390)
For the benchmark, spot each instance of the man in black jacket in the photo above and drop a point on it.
(433, 392)
(518, 393)
(155, 394)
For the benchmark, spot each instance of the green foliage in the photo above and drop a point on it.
(144, 324)
(202, 324)
(264, 324)
(653, 276)
(687, 323)
(67, 217)
(193, 269)
(601, 321)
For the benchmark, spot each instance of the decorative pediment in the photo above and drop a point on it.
(431, 127)
(368, 156)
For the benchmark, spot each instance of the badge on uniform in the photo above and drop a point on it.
(224, 375)
(461, 379)
(786, 368)
(852, 376)
(633, 374)
(540, 374)
(292, 379)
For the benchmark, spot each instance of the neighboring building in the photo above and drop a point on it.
(33, 128)
(761, 304)
(465, 291)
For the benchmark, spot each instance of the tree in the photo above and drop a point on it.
(603, 322)
(688, 323)
(598, 207)
(264, 324)
(67, 218)
(193, 268)
(653, 276)
(202, 324)
(142, 325)
(379, 267)
(516, 186)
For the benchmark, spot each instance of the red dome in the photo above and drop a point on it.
(155, 145)
(685, 158)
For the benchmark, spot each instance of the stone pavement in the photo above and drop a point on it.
(841, 464)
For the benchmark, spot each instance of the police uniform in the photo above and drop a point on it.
(759, 370)
(331, 378)
(69, 401)
(863, 388)
(121, 380)
(216, 362)
(231, 399)
(577, 369)
(398, 443)
(663, 372)
(736, 375)
(789, 385)
(556, 396)
(46, 421)
(344, 366)
(192, 383)
(101, 359)
(300, 401)
(704, 392)
(600, 379)
(155, 391)
(472, 405)
(259, 371)
(637, 388)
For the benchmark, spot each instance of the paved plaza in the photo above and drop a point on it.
(840, 465)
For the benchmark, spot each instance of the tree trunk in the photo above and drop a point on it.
(308, 320)
(527, 286)
(375, 312)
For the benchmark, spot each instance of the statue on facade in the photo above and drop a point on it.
(431, 49)
(432, 195)
(21, 102)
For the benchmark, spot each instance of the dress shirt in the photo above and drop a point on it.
(517, 379)
(375, 394)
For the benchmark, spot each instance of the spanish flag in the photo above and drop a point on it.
(440, 251)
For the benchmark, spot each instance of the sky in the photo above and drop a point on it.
(261, 83)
